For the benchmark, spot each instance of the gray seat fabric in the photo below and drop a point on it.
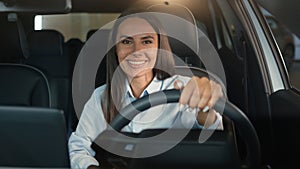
(23, 85)
(49, 54)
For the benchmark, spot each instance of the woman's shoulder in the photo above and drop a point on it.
(99, 90)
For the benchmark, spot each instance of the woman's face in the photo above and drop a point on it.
(137, 45)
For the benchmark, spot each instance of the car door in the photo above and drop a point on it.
(270, 101)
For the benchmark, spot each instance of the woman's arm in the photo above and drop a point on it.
(91, 124)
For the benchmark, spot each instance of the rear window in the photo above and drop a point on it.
(75, 25)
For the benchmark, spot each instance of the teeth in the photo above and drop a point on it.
(136, 62)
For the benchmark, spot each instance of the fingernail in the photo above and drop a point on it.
(181, 107)
(190, 109)
(180, 84)
(205, 109)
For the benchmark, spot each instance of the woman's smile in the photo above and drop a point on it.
(136, 64)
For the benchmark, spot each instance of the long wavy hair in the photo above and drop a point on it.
(112, 101)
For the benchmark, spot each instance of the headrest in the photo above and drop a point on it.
(100, 36)
(90, 33)
(74, 46)
(46, 43)
(183, 37)
(99, 33)
(48, 53)
(74, 41)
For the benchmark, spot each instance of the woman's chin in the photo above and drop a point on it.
(139, 73)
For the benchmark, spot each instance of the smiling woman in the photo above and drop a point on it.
(249, 62)
(139, 63)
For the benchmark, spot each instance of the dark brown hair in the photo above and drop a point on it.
(112, 101)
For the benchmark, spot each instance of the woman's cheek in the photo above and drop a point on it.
(122, 55)
(153, 55)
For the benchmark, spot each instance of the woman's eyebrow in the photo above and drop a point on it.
(148, 37)
(125, 37)
(130, 37)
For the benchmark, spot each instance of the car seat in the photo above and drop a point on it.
(23, 85)
(48, 53)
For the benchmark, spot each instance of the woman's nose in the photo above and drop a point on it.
(138, 47)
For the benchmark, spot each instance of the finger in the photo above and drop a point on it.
(205, 97)
(205, 93)
(217, 93)
(194, 100)
(187, 92)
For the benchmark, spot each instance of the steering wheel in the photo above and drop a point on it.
(240, 120)
(243, 125)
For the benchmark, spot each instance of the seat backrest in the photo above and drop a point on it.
(48, 53)
(74, 46)
(23, 85)
(102, 34)
(96, 44)
(183, 37)
(90, 33)
(186, 50)
(33, 137)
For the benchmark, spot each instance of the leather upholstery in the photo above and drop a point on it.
(23, 85)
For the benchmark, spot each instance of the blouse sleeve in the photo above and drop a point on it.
(91, 124)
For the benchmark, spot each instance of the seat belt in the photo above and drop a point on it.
(13, 17)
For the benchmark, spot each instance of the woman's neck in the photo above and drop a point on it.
(139, 84)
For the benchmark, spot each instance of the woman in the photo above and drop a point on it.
(139, 63)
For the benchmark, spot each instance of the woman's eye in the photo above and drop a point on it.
(126, 41)
(147, 42)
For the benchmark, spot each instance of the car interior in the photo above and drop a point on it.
(27, 131)
(47, 80)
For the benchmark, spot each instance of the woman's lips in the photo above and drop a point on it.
(136, 63)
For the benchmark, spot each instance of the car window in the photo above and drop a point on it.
(289, 45)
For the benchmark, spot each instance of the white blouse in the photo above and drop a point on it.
(92, 121)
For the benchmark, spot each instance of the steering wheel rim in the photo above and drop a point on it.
(247, 130)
